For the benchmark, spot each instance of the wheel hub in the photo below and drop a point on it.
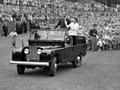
(78, 57)
(55, 66)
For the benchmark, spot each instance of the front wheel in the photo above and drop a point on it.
(20, 69)
(78, 61)
(53, 66)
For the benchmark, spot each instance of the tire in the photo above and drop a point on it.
(78, 61)
(20, 69)
(53, 67)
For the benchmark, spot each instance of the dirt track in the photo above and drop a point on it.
(99, 71)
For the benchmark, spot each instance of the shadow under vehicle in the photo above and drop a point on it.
(48, 49)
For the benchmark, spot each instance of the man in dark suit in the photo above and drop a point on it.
(61, 22)
(19, 27)
(24, 24)
(93, 33)
(5, 29)
(67, 18)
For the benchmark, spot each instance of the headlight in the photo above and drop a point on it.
(26, 51)
(78, 58)
(39, 51)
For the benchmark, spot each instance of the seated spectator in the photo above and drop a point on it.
(100, 44)
(107, 40)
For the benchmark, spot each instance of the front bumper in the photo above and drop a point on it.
(30, 63)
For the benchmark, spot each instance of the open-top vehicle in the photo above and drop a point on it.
(48, 49)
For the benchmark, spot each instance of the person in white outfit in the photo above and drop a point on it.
(13, 34)
(73, 28)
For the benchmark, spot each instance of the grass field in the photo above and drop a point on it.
(99, 71)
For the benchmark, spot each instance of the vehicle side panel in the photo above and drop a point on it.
(60, 54)
(68, 54)
(79, 50)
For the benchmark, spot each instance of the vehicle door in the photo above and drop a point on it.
(80, 47)
(68, 54)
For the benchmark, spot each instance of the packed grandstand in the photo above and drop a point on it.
(47, 13)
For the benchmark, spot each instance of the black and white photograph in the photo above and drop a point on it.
(59, 44)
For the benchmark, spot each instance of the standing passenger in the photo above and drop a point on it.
(61, 23)
(74, 26)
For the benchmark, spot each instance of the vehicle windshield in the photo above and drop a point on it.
(48, 35)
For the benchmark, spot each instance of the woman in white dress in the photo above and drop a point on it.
(74, 26)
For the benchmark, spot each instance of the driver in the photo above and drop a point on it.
(37, 36)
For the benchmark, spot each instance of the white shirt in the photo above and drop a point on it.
(73, 28)
(13, 34)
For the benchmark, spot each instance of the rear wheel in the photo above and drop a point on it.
(78, 61)
(20, 69)
(53, 66)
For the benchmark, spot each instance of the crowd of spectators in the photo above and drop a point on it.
(47, 14)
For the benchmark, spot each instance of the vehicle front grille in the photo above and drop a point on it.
(33, 54)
